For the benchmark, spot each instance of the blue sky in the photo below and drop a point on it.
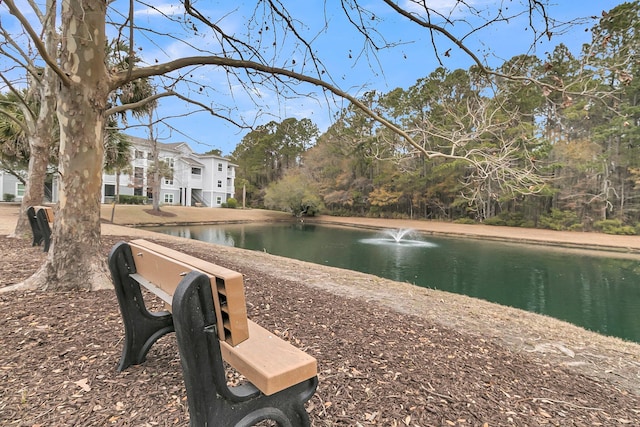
(340, 48)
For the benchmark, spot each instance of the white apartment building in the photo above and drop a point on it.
(10, 186)
(198, 179)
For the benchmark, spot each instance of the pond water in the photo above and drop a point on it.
(596, 292)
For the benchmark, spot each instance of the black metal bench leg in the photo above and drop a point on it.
(35, 228)
(286, 408)
(45, 230)
(141, 327)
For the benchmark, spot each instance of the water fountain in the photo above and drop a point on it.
(397, 237)
(398, 233)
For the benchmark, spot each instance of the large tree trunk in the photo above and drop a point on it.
(40, 139)
(74, 260)
(34, 190)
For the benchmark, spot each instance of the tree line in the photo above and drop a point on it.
(562, 153)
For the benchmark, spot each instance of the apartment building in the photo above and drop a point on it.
(10, 187)
(198, 179)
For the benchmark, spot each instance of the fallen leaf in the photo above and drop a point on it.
(544, 413)
(83, 384)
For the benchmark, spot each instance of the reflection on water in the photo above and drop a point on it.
(598, 293)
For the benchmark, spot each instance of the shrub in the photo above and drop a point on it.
(614, 226)
(465, 221)
(340, 212)
(231, 203)
(8, 197)
(132, 200)
(509, 219)
(495, 220)
(559, 220)
(576, 227)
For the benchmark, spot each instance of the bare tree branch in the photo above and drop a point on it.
(121, 78)
(42, 50)
(126, 107)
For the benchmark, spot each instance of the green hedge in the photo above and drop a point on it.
(510, 219)
(560, 220)
(132, 200)
(614, 226)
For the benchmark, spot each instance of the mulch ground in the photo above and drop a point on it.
(59, 355)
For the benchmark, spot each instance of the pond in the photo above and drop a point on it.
(600, 293)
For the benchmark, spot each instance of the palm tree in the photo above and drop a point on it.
(14, 147)
(117, 157)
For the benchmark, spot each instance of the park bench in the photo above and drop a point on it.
(40, 220)
(205, 307)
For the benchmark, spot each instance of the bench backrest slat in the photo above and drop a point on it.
(165, 268)
(47, 210)
(229, 285)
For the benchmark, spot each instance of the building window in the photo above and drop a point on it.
(138, 177)
(196, 171)
(139, 154)
(169, 162)
(218, 200)
(168, 198)
(109, 190)
(20, 189)
(219, 184)
(219, 167)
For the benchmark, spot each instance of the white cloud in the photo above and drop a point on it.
(445, 7)
(166, 9)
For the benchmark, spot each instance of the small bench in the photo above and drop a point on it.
(206, 309)
(40, 219)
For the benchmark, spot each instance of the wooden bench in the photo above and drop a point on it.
(206, 309)
(40, 219)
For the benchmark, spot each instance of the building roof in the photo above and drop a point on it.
(176, 147)
(191, 161)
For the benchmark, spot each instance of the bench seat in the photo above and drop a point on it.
(268, 362)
